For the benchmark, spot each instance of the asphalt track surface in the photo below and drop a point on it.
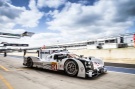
(13, 75)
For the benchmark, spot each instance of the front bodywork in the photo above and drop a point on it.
(95, 67)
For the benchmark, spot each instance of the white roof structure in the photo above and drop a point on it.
(17, 36)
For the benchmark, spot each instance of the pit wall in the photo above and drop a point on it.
(120, 55)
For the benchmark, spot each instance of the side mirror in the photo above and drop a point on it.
(89, 58)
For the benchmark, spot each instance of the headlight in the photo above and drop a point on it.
(88, 63)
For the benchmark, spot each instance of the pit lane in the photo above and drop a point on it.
(21, 77)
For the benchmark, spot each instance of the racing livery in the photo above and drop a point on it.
(70, 63)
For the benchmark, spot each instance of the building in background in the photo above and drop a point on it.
(121, 41)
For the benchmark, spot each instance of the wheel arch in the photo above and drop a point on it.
(29, 58)
(81, 68)
(68, 61)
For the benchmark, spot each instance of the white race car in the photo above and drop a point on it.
(70, 63)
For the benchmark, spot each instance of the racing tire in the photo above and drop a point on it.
(71, 68)
(29, 62)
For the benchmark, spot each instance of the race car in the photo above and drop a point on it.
(70, 63)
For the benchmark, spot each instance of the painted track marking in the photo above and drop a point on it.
(4, 68)
(6, 82)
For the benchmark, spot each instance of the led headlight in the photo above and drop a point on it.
(88, 63)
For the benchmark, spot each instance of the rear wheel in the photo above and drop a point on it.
(29, 62)
(71, 68)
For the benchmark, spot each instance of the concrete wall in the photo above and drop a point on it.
(122, 55)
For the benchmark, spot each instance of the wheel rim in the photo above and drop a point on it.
(71, 68)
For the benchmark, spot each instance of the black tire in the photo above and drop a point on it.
(71, 68)
(29, 62)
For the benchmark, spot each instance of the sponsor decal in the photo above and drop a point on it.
(82, 69)
(54, 66)
(61, 66)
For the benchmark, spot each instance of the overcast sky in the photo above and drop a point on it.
(64, 21)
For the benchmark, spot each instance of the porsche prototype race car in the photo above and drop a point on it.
(70, 63)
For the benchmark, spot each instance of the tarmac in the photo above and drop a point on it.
(13, 75)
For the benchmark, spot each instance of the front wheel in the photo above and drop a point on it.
(71, 68)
